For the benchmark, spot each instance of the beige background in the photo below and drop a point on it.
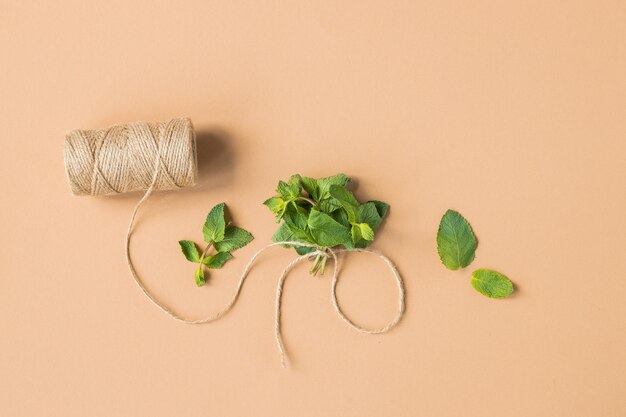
(510, 112)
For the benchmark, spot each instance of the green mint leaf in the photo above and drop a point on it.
(284, 234)
(340, 216)
(190, 250)
(200, 281)
(347, 201)
(366, 231)
(355, 231)
(291, 190)
(277, 206)
(362, 235)
(368, 213)
(303, 250)
(326, 202)
(234, 238)
(310, 186)
(381, 207)
(296, 219)
(491, 283)
(217, 261)
(329, 205)
(325, 183)
(215, 224)
(325, 231)
(456, 242)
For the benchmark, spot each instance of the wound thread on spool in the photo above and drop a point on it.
(124, 158)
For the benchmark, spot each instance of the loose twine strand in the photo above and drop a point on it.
(95, 167)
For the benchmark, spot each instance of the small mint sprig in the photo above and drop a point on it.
(219, 235)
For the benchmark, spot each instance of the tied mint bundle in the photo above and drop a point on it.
(322, 213)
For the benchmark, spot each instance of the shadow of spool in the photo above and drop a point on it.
(215, 159)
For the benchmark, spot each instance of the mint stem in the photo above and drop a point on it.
(208, 246)
(307, 200)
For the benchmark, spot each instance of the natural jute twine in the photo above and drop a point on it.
(124, 158)
(161, 156)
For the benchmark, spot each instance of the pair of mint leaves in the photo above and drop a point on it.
(456, 245)
(324, 213)
(222, 236)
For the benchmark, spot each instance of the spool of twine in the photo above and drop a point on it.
(162, 156)
(124, 158)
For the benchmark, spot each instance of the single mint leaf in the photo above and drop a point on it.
(491, 283)
(296, 219)
(329, 205)
(325, 231)
(367, 213)
(326, 202)
(456, 243)
(234, 238)
(355, 231)
(289, 190)
(310, 186)
(190, 250)
(303, 250)
(381, 207)
(277, 206)
(200, 281)
(215, 224)
(366, 231)
(325, 183)
(218, 260)
(284, 234)
(341, 216)
(347, 201)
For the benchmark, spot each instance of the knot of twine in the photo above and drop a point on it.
(131, 157)
(162, 156)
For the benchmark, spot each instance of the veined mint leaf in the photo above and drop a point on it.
(325, 231)
(200, 281)
(326, 202)
(381, 207)
(368, 213)
(284, 234)
(234, 238)
(347, 201)
(289, 190)
(296, 220)
(218, 260)
(303, 250)
(491, 283)
(456, 242)
(366, 231)
(325, 183)
(310, 186)
(277, 206)
(215, 224)
(329, 205)
(341, 217)
(190, 250)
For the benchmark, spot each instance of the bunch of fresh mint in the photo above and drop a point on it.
(222, 236)
(322, 212)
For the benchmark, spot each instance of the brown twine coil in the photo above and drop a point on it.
(162, 156)
(124, 158)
